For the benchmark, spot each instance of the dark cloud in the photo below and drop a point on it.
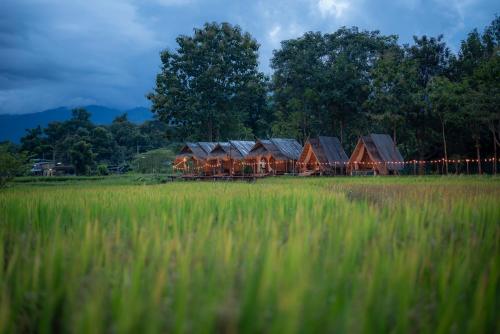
(57, 52)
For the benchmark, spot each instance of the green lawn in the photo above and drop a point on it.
(282, 255)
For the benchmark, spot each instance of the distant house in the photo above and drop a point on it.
(323, 155)
(193, 157)
(227, 157)
(61, 169)
(49, 168)
(274, 156)
(376, 153)
(42, 167)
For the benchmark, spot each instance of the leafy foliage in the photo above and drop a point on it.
(210, 88)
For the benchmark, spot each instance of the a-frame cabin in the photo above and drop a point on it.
(192, 158)
(323, 156)
(228, 158)
(377, 154)
(274, 156)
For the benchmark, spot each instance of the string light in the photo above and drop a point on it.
(182, 164)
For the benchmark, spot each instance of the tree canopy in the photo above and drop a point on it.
(210, 86)
(346, 83)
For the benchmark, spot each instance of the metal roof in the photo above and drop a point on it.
(326, 150)
(290, 148)
(332, 148)
(220, 150)
(243, 146)
(206, 146)
(382, 149)
(192, 150)
(279, 148)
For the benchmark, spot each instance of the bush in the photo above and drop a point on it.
(102, 170)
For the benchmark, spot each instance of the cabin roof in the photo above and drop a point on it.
(328, 149)
(288, 147)
(243, 146)
(192, 150)
(279, 148)
(234, 149)
(207, 146)
(381, 148)
(220, 150)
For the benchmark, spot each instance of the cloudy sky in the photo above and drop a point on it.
(78, 52)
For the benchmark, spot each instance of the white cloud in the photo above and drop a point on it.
(274, 34)
(168, 3)
(336, 8)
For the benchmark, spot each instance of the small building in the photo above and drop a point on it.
(227, 158)
(193, 158)
(274, 156)
(377, 154)
(323, 155)
(42, 167)
(61, 169)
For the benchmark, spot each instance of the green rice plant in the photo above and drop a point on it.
(282, 255)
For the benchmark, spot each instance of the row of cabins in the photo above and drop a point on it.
(374, 153)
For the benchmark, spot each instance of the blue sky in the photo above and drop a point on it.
(78, 52)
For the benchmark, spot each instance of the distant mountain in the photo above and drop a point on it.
(13, 127)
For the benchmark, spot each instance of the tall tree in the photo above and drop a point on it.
(210, 87)
(431, 57)
(444, 97)
(392, 97)
(321, 81)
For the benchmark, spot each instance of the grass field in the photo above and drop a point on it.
(283, 255)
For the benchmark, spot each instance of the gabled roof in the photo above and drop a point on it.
(220, 150)
(206, 146)
(192, 150)
(381, 148)
(288, 147)
(279, 148)
(243, 146)
(326, 149)
(333, 149)
(234, 149)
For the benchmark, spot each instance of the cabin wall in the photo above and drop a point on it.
(365, 162)
(189, 165)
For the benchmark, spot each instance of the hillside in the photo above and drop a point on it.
(13, 127)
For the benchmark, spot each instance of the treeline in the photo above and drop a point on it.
(84, 144)
(436, 104)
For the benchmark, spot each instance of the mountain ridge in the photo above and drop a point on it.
(13, 126)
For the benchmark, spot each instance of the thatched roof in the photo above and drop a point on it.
(192, 150)
(220, 151)
(242, 146)
(327, 150)
(278, 148)
(207, 146)
(234, 149)
(198, 151)
(380, 148)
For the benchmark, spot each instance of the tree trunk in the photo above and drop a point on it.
(494, 153)
(210, 129)
(394, 147)
(444, 147)
(341, 132)
(478, 154)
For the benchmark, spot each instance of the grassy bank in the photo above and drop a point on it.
(283, 255)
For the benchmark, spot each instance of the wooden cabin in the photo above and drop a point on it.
(322, 156)
(274, 156)
(228, 158)
(192, 159)
(377, 154)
